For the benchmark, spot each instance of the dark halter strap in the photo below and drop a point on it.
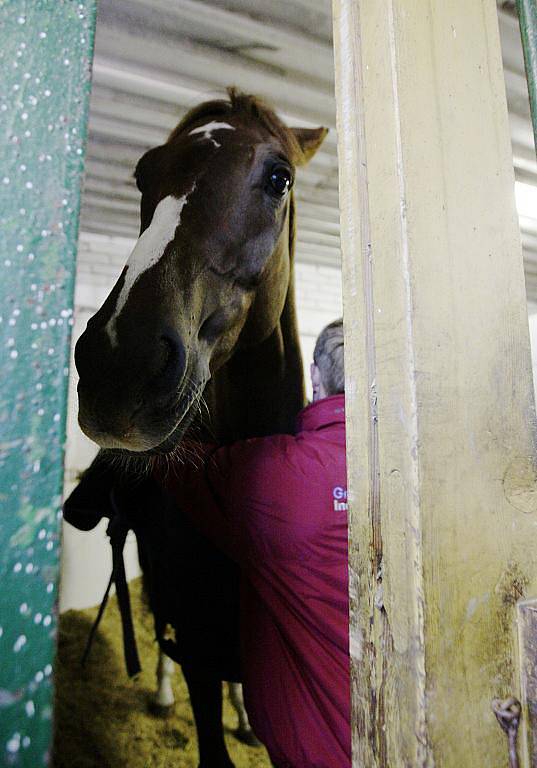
(117, 530)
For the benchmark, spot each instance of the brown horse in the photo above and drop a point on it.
(205, 305)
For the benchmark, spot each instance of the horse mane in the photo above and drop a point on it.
(249, 108)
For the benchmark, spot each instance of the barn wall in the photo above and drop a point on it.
(86, 559)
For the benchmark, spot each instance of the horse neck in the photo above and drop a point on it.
(260, 390)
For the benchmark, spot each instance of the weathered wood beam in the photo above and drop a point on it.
(287, 50)
(211, 69)
(441, 417)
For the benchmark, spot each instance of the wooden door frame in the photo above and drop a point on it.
(441, 413)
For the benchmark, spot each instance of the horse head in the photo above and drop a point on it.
(209, 272)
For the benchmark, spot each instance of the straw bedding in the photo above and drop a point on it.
(102, 719)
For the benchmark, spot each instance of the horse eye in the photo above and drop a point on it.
(280, 180)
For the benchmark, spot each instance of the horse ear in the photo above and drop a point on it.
(147, 168)
(310, 139)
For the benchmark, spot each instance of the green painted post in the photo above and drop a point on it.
(46, 49)
(527, 16)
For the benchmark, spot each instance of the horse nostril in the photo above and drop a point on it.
(166, 351)
(138, 406)
(212, 327)
(172, 362)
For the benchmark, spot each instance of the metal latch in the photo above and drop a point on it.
(508, 713)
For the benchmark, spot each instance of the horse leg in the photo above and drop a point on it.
(164, 699)
(244, 732)
(206, 702)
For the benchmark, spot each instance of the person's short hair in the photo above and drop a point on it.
(329, 358)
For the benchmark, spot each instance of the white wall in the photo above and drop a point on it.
(318, 294)
(86, 557)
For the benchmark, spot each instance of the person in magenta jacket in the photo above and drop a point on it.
(278, 506)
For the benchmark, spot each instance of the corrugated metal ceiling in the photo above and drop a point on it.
(155, 59)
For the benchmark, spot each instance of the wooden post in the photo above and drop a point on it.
(441, 422)
(45, 58)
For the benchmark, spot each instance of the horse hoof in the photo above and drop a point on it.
(247, 736)
(160, 710)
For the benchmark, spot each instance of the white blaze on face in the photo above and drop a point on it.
(148, 250)
(208, 128)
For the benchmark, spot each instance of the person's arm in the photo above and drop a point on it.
(225, 490)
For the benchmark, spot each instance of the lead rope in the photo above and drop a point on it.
(117, 532)
(97, 621)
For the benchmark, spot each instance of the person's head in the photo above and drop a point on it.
(328, 369)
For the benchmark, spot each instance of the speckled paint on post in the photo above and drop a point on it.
(527, 14)
(45, 60)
